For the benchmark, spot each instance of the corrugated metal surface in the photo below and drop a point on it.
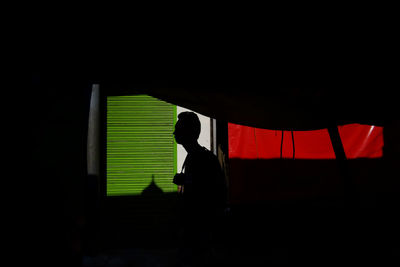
(141, 150)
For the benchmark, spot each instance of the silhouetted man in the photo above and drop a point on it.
(203, 189)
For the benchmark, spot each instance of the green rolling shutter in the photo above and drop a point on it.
(140, 145)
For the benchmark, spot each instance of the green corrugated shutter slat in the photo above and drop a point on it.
(140, 144)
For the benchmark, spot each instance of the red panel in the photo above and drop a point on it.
(359, 141)
(362, 141)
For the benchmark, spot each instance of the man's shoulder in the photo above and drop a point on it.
(210, 159)
(205, 155)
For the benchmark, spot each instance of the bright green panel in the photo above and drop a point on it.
(140, 145)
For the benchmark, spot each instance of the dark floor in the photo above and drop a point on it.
(170, 257)
(235, 257)
(289, 237)
(133, 257)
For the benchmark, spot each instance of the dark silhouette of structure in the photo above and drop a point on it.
(152, 189)
(203, 191)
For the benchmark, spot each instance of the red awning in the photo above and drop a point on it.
(359, 141)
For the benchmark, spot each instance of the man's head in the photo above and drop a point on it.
(187, 128)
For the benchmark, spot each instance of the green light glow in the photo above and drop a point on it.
(140, 144)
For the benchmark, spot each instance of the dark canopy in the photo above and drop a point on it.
(248, 92)
(265, 95)
(277, 108)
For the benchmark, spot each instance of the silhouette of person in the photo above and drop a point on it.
(203, 191)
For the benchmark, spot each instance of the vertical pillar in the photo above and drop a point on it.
(93, 139)
(349, 187)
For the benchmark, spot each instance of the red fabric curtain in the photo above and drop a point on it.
(359, 141)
